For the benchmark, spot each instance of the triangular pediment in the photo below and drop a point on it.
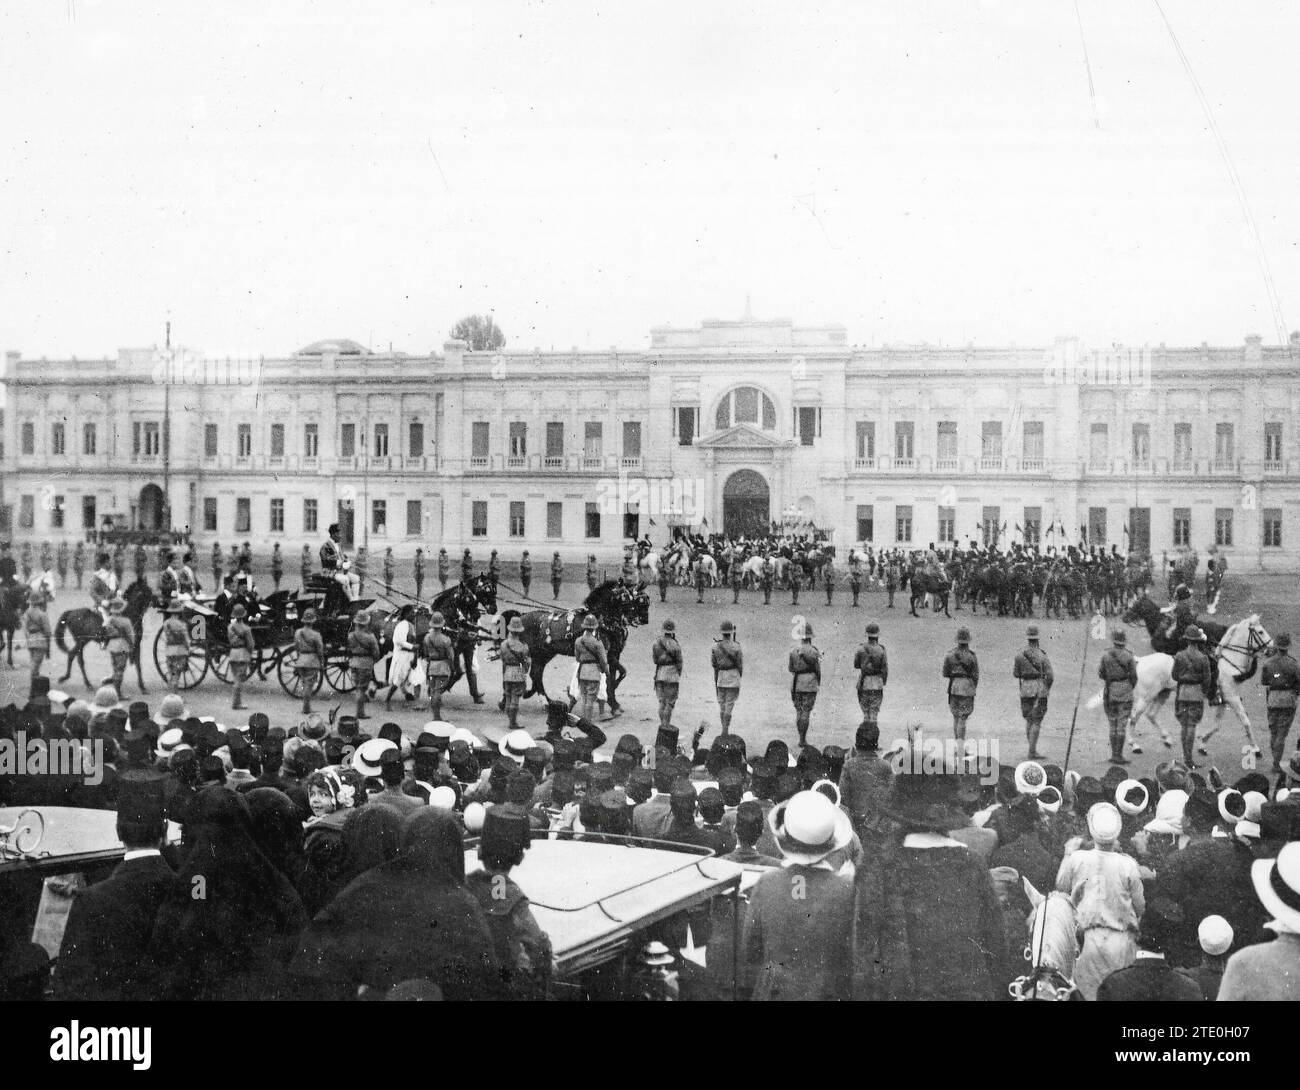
(743, 437)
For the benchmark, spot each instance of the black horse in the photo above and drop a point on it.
(13, 600)
(461, 606)
(86, 625)
(551, 633)
(1145, 611)
(923, 583)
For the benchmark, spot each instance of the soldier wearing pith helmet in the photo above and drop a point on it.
(666, 654)
(1281, 680)
(806, 668)
(728, 662)
(962, 669)
(1118, 672)
(593, 665)
(1033, 670)
(439, 654)
(872, 665)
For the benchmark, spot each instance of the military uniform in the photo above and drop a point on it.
(277, 565)
(239, 638)
(666, 654)
(796, 577)
(390, 567)
(1118, 672)
(663, 582)
(516, 663)
(591, 573)
(629, 567)
(828, 575)
(806, 668)
(121, 640)
(61, 563)
(525, 572)
(855, 577)
(557, 576)
(176, 645)
(466, 567)
(444, 568)
(360, 575)
(363, 651)
(765, 579)
(962, 669)
(1281, 680)
(309, 648)
(305, 565)
(737, 573)
(891, 582)
(1193, 679)
(119, 563)
(1033, 670)
(418, 565)
(439, 653)
(872, 664)
(728, 662)
(699, 581)
(218, 567)
(494, 567)
(593, 664)
(36, 629)
(79, 562)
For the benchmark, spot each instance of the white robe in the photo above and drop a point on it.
(403, 656)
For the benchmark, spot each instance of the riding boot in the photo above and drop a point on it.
(388, 701)
(1189, 746)
(1117, 746)
(1032, 730)
(959, 728)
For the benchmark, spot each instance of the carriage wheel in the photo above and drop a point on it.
(221, 664)
(290, 681)
(338, 673)
(196, 664)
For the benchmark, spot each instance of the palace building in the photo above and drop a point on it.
(729, 426)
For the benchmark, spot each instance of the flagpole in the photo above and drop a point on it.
(1074, 716)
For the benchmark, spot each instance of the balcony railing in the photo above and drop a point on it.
(991, 465)
(1140, 465)
(1032, 465)
(1274, 467)
(478, 463)
(516, 461)
(1181, 465)
(905, 463)
(553, 462)
(630, 463)
(593, 461)
(945, 464)
(1224, 466)
(864, 463)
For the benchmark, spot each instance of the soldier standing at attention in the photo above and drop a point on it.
(699, 580)
(419, 574)
(239, 637)
(494, 567)
(310, 652)
(47, 555)
(872, 664)
(891, 581)
(277, 565)
(962, 669)
(806, 666)
(121, 639)
(1033, 670)
(737, 575)
(176, 644)
(591, 572)
(246, 558)
(390, 566)
(768, 574)
(828, 574)
(466, 566)
(61, 563)
(592, 666)
(557, 574)
(1119, 675)
(444, 567)
(36, 628)
(234, 559)
(516, 662)
(79, 562)
(525, 572)
(361, 571)
(141, 561)
(119, 562)
(796, 576)
(25, 558)
(1281, 680)
(439, 653)
(666, 654)
(728, 669)
(663, 582)
(218, 567)
(363, 652)
(1193, 678)
(305, 570)
(855, 576)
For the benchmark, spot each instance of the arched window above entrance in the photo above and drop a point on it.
(746, 405)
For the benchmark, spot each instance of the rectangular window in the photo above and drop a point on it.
(991, 444)
(210, 513)
(518, 439)
(516, 518)
(809, 424)
(480, 433)
(1033, 528)
(991, 526)
(277, 516)
(948, 524)
(245, 441)
(1182, 526)
(58, 440)
(1272, 527)
(89, 439)
(1223, 526)
(1098, 446)
(631, 439)
(866, 522)
(1032, 452)
(415, 439)
(209, 440)
(685, 424)
(746, 406)
(866, 441)
(27, 512)
(946, 450)
(310, 441)
(904, 445)
(145, 440)
(1141, 445)
(87, 512)
(903, 523)
(592, 522)
(554, 519)
(1139, 529)
(414, 518)
(379, 516)
(1097, 526)
(478, 518)
(243, 515)
(28, 437)
(632, 520)
(277, 440)
(593, 440)
(309, 516)
(555, 442)
(1224, 457)
(1182, 447)
(1273, 444)
(381, 441)
(56, 514)
(348, 441)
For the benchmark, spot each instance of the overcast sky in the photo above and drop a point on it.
(275, 173)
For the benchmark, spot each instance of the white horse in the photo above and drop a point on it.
(44, 582)
(648, 566)
(1052, 949)
(1238, 659)
(752, 570)
(709, 566)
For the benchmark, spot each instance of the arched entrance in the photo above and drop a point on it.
(150, 511)
(746, 504)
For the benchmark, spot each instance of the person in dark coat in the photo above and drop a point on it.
(277, 831)
(104, 955)
(232, 919)
(928, 924)
(798, 928)
(1022, 848)
(408, 919)
(1151, 978)
(864, 785)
